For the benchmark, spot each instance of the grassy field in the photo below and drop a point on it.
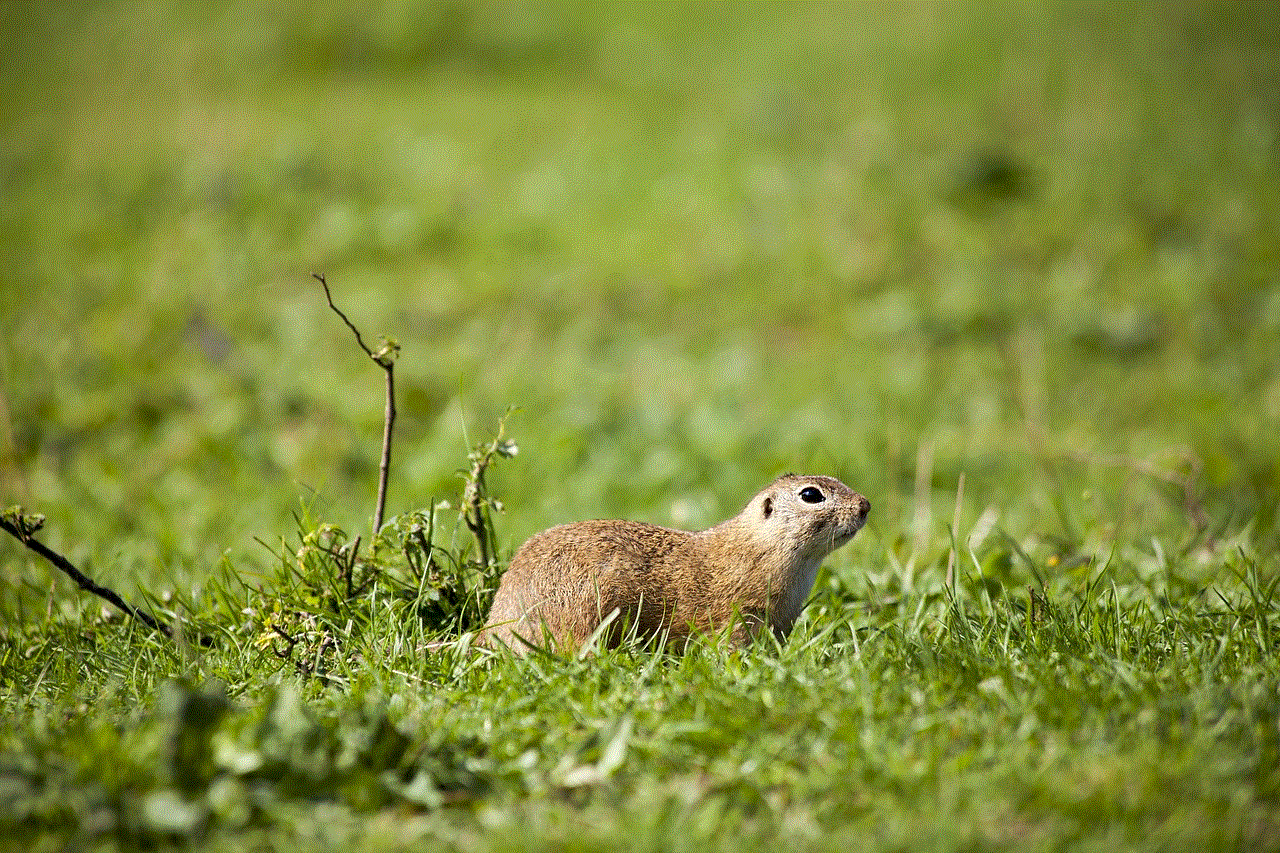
(1013, 273)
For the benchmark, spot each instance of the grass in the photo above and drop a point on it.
(1035, 247)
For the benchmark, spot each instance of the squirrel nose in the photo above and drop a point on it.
(864, 506)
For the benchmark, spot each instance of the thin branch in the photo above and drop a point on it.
(288, 638)
(384, 465)
(384, 358)
(320, 278)
(21, 528)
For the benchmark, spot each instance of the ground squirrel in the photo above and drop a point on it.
(755, 569)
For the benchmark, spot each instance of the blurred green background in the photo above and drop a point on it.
(696, 246)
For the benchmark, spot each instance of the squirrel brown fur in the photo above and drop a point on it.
(655, 583)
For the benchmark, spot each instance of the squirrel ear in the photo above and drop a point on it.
(768, 507)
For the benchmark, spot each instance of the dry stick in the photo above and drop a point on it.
(384, 359)
(384, 466)
(82, 580)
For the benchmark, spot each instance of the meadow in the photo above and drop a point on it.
(1011, 271)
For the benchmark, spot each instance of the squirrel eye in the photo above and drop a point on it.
(812, 495)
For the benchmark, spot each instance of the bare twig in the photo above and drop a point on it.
(23, 526)
(288, 638)
(320, 278)
(384, 465)
(385, 357)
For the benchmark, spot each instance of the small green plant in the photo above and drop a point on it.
(478, 506)
(326, 594)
